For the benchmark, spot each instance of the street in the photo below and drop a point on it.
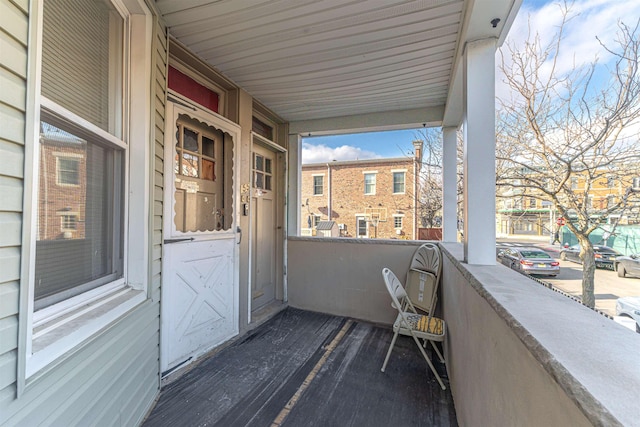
(608, 286)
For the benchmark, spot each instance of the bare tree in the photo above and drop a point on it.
(562, 134)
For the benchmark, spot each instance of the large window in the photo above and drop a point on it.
(80, 188)
(398, 182)
(318, 184)
(369, 183)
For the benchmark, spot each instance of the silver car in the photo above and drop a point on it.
(529, 261)
(629, 307)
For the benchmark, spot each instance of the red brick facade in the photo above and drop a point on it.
(343, 190)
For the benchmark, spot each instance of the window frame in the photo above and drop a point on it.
(316, 185)
(397, 217)
(363, 218)
(372, 189)
(404, 181)
(64, 326)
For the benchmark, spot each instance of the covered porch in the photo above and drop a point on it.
(517, 353)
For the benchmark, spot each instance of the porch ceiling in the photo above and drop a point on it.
(310, 59)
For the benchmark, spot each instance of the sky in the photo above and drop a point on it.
(592, 18)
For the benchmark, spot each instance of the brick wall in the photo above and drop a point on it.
(348, 199)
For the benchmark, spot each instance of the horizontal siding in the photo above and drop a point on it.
(71, 388)
(9, 293)
(14, 30)
(113, 378)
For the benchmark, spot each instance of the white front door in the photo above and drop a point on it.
(199, 297)
(263, 226)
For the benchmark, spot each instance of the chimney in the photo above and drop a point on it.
(417, 149)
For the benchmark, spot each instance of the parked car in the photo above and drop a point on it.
(604, 255)
(529, 261)
(627, 264)
(629, 307)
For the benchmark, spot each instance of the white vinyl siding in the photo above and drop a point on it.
(113, 378)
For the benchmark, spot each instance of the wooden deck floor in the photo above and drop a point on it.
(309, 369)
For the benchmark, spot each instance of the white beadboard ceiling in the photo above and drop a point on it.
(314, 59)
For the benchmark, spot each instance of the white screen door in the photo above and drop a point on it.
(200, 251)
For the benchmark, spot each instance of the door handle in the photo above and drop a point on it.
(186, 239)
(239, 230)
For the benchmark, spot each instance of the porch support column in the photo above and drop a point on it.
(293, 189)
(449, 185)
(479, 152)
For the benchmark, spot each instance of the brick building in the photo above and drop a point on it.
(367, 198)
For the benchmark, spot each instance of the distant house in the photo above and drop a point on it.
(373, 198)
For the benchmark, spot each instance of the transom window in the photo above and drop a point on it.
(318, 184)
(369, 183)
(398, 182)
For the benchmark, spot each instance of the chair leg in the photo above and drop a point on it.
(433, 369)
(386, 359)
(435, 347)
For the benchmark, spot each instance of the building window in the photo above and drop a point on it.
(398, 182)
(318, 184)
(611, 182)
(68, 171)
(82, 77)
(69, 222)
(361, 227)
(532, 202)
(574, 183)
(316, 220)
(369, 183)
(635, 183)
(397, 221)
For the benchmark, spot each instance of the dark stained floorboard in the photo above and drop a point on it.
(249, 383)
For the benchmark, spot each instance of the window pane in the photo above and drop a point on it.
(398, 182)
(207, 146)
(259, 180)
(68, 171)
(79, 238)
(267, 165)
(259, 163)
(190, 165)
(267, 182)
(190, 140)
(82, 60)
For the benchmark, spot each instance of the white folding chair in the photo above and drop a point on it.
(423, 277)
(408, 322)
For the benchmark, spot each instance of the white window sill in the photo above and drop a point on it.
(59, 335)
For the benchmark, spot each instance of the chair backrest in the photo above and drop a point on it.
(427, 258)
(395, 288)
(423, 276)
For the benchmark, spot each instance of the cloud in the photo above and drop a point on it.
(322, 153)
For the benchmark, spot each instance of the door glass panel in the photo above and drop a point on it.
(189, 165)
(207, 146)
(201, 195)
(267, 182)
(190, 140)
(267, 165)
(259, 180)
(259, 163)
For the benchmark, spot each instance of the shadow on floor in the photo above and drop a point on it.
(287, 372)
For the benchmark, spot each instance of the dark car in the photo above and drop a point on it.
(627, 264)
(529, 261)
(604, 255)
